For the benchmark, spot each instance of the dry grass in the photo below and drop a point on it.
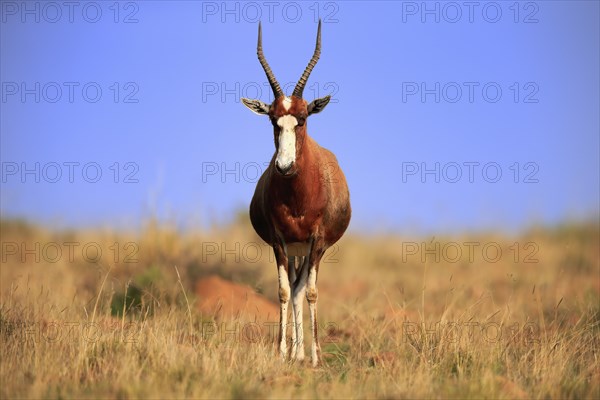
(395, 324)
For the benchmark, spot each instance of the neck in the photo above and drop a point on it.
(307, 172)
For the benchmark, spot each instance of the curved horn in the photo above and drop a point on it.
(311, 64)
(277, 92)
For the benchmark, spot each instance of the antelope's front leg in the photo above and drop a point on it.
(316, 253)
(284, 296)
(311, 297)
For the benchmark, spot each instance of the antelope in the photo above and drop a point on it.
(301, 205)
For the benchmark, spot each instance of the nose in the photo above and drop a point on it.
(285, 169)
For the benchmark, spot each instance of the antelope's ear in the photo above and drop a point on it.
(256, 106)
(317, 105)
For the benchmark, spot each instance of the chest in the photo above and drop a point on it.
(297, 211)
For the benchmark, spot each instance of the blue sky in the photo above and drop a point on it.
(146, 94)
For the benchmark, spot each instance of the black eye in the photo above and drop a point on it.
(301, 121)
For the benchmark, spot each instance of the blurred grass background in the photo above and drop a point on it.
(401, 316)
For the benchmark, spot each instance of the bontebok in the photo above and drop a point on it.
(301, 205)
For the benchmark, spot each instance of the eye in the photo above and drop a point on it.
(301, 120)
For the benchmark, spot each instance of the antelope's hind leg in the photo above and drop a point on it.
(292, 278)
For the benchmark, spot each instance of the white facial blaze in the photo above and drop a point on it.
(286, 154)
(287, 103)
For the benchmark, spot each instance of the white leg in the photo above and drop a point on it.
(292, 278)
(297, 299)
(311, 296)
(284, 299)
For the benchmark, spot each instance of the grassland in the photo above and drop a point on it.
(470, 316)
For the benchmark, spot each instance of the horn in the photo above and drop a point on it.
(277, 92)
(311, 64)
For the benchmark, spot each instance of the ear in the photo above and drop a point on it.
(317, 105)
(256, 106)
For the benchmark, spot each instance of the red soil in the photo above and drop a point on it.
(225, 300)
